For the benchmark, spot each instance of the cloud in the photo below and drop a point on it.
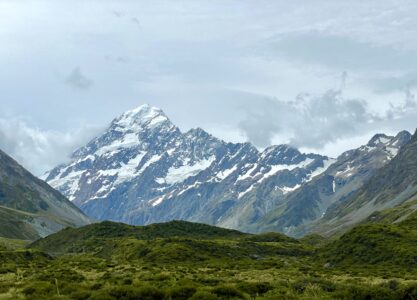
(39, 150)
(316, 121)
(398, 82)
(342, 52)
(76, 79)
(118, 59)
(188, 57)
(121, 14)
(136, 21)
(118, 14)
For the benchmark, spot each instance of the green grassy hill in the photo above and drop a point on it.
(176, 241)
(183, 260)
(381, 243)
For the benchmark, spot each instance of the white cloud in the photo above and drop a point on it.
(226, 66)
(39, 150)
(320, 121)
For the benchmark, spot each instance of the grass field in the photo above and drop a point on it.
(181, 260)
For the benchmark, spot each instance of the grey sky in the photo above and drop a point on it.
(322, 75)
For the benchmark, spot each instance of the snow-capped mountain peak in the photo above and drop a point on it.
(144, 169)
(142, 117)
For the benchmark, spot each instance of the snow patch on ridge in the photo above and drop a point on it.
(70, 183)
(177, 175)
(287, 189)
(326, 164)
(128, 141)
(224, 174)
(277, 168)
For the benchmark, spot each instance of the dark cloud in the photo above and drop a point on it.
(76, 79)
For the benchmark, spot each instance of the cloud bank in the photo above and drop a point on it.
(315, 121)
(232, 67)
(39, 150)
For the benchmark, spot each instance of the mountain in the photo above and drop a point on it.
(143, 170)
(393, 186)
(348, 174)
(29, 207)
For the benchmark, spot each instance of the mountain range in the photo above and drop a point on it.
(142, 169)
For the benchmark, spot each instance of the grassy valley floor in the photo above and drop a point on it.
(181, 260)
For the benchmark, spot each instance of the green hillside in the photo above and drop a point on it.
(382, 243)
(183, 260)
(16, 225)
(172, 241)
(29, 207)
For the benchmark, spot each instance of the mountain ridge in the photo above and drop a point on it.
(392, 186)
(350, 172)
(29, 207)
(148, 164)
(144, 170)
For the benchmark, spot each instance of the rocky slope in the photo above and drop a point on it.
(339, 182)
(29, 207)
(392, 186)
(143, 169)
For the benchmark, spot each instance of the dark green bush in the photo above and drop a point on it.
(203, 295)
(80, 295)
(39, 288)
(254, 288)
(301, 284)
(134, 293)
(227, 292)
(181, 292)
(408, 292)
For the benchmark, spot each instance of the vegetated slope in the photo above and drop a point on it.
(376, 245)
(392, 185)
(345, 176)
(17, 225)
(142, 169)
(182, 260)
(29, 207)
(167, 241)
(395, 214)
